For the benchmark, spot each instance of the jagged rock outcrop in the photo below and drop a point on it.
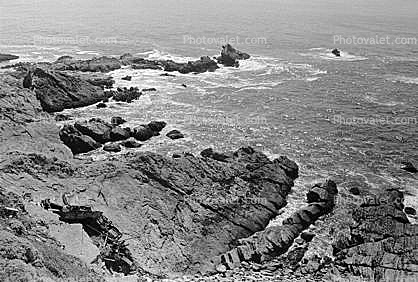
(230, 56)
(101, 64)
(57, 91)
(178, 212)
(78, 142)
(382, 244)
(276, 240)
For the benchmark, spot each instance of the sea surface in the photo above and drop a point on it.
(353, 118)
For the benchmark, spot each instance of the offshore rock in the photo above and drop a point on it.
(230, 56)
(101, 64)
(76, 141)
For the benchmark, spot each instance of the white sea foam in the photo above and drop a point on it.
(403, 79)
(325, 54)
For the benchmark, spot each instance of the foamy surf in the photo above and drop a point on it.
(326, 54)
(403, 79)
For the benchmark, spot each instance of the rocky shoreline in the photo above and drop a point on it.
(183, 217)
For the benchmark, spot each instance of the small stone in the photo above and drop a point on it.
(176, 156)
(221, 268)
(101, 105)
(128, 78)
(175, 134)
(410, 211)
(355, 190)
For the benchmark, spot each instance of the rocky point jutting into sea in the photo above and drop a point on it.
(145, 215)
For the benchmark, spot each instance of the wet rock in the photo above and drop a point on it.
(117, 121)
(127, 78)
(410, 211)
(174, 134)
(142, 133)
(157, 126)
(230, 56)
(408, 166)
(209, 153)
(176, 156)
(103, 82)
(131, 144)
(118, 133)
(336, 52)
(113, 147)
(62, 117)
(354, 191)
(57, 91)
(184, 85)
(101, 105)
(290, 167)
(126, 95)
(76, 141)
(8, 57)
(167, 74)
(97, 129)
(101, 64)
(149, 89)
(307, 236)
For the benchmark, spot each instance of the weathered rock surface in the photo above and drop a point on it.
(101, 64)
(112, 147)
(273, 241)
(230, 56)
(57, 91)
(28, 253)
(143, 133)
(382, 243)
(97, 129)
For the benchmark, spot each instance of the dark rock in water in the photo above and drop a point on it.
(117, 121)
(57, 91)
(167, 74)
(142, 133)
(307, 236)
(290, 167)
(410, 211)
(113, 147)
(128, 78)
(157, 126)
(101, 105)
(230, 56)
(105, 100)
(408, 166)
(175, 134)
(7, 57)
(354, 191)
(176, 156)
(62, 117)
(184, 85)
(101, 64)
(76, 141)
(318, 194)
(97, 129)
(126, 95)
(118, 133)
(131, 144)
(148, 89)
(336, 52)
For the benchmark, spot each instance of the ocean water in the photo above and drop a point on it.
(352, 118)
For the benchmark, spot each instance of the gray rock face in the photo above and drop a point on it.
(230, 56)
(76, 141)
(97, 129)
(57, 91)
(101, 64)
(382, 243)
(273, 241)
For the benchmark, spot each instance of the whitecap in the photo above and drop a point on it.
(326, 54)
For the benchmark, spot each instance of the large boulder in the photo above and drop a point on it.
(230, 56)
(204, 64)
(157, 126)
(97, 129)
(143, 133)
(76, 141)
(101, 64)
(175, 134)
(118, 133)
(57, 91)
